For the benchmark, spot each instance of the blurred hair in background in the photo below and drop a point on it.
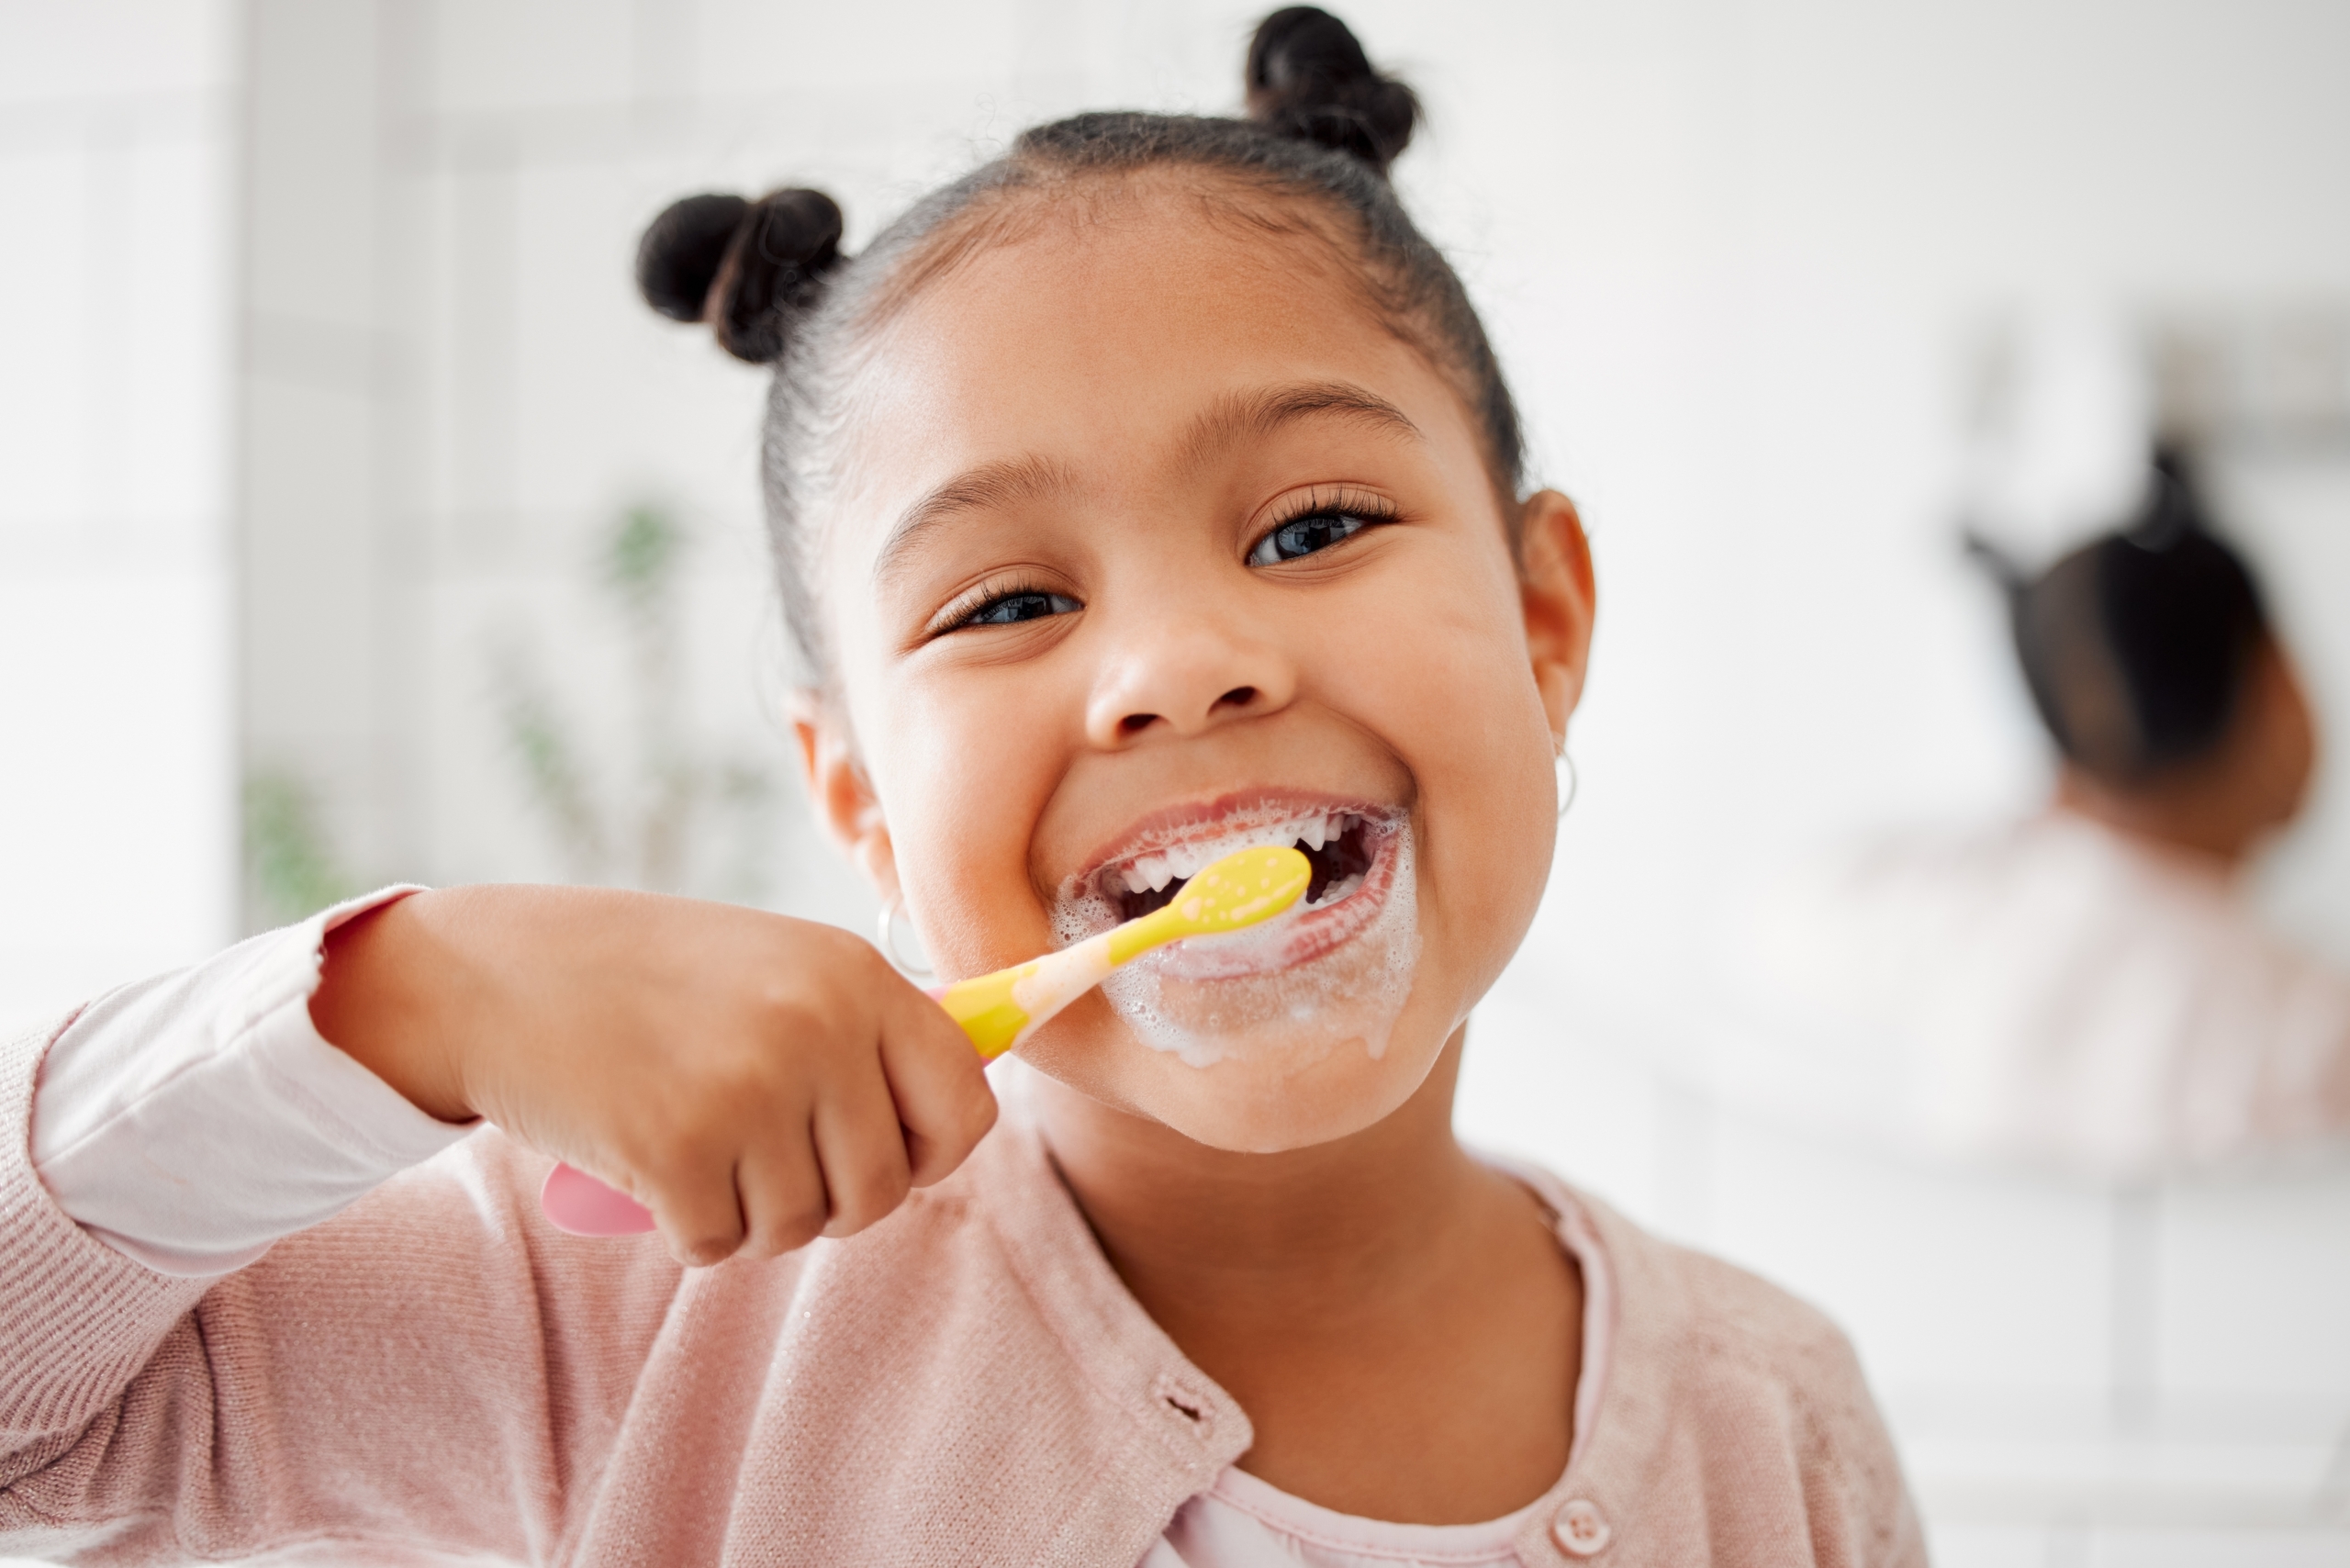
(2139, 647)
(359, 524)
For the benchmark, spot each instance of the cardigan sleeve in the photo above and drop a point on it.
(435, 1367)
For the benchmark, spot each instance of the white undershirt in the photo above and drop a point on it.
(191, 1120)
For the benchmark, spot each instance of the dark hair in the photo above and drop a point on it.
(1323, 127)
(2138, 645)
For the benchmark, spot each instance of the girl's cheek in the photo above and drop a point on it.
(966, 786)
(1484, 762)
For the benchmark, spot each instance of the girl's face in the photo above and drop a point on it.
(1156, 543)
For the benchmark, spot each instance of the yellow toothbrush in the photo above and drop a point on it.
(1000, 1010)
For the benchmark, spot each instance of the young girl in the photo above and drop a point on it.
(1148, 492)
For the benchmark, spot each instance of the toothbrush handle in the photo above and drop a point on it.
(1001, 1011)
(577, 1205)
(998, 1012)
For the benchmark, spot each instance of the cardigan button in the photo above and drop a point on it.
(1580, 1530)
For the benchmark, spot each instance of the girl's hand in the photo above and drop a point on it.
(755, 1080)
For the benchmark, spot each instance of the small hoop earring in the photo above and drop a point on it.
(1570, 781)
(886, 939)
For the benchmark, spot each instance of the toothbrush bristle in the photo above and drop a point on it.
(1246, 887)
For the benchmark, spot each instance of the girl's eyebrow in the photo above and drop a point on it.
(1236, 416)
(1243, 415)
(975, 490)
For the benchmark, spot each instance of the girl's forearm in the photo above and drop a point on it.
(382, 999)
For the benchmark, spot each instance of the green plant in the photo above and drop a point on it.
(676, 814)
(291, 870)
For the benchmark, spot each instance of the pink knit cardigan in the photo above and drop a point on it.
(437, 1371)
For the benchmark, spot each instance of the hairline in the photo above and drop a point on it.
(997, 214)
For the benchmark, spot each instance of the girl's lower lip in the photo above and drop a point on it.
(1299, 938)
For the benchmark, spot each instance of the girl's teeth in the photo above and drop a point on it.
(1150, 873)
(1337, 890)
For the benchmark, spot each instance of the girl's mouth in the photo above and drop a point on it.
(1353, 848)
(1337, 845)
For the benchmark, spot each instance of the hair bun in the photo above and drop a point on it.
(680, 255)
(1308, 77)
(744, 267)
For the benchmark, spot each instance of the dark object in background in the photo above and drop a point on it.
(2139, 645)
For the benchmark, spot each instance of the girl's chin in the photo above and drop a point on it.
(1262, 1096)
(1266, 1102)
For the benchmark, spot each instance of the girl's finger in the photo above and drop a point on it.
(699, 1215)
(784, 1198)
(862, 1149)
(937, 1083)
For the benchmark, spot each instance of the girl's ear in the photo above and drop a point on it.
(839, 790)
(1559, 600)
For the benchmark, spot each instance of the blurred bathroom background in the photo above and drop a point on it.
(358, 524)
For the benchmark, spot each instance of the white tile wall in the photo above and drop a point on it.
(126, 54)
(2255, 1280)
(117, 167)
(531, 54)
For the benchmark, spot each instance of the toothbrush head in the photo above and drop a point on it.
(1243, 889)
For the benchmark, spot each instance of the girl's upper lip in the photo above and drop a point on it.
(1226, 814)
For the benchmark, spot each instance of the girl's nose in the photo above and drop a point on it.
(1184, 678)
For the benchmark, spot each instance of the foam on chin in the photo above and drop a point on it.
(1210, 999)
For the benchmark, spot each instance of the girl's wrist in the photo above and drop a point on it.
(374, 1004)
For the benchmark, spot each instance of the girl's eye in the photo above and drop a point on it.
(1026, 604)
(1304, 535)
